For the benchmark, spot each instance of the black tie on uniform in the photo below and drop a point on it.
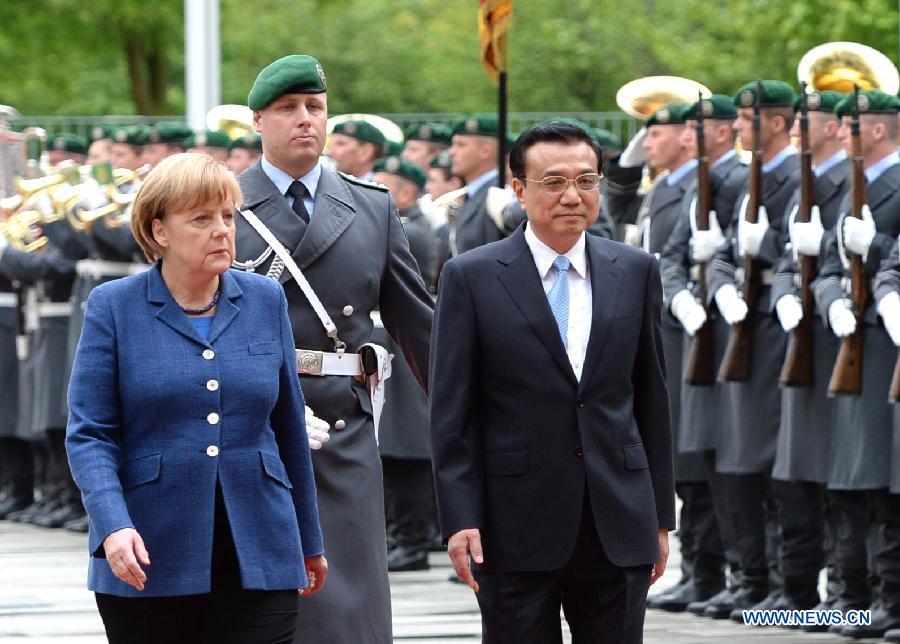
(297, 190)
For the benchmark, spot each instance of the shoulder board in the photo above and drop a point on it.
(362, 182)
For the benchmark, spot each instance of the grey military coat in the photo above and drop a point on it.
(355, 255)
(887, 281)
(474, 227)
(9, 362)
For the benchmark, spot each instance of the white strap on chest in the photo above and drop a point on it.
(298, 276)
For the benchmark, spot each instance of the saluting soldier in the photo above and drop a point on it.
(355, 147)
(860, 457)
(348, 242)
(747, 439)
(701, 413)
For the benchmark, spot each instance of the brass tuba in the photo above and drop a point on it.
(643, 96)
(839, 66)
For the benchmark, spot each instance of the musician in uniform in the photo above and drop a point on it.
(346, 239)
(66, 147)
(212, 142)
(243, 152)
(747, 441)
(100, 148)
(355, 147)
(701, 412)
(127, 142)
(163, 140)
(860, 453)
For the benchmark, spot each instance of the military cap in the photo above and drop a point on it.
(402, 168)
(101, 132)
(362, 130)
(251, 141)
(67, 142)
(824, 101)
(775, 93)
(132, 135)
(607, 140)
(169, 132)
(291, 74)
(429, 132)
(442, 160)
(669, 114)
(871, 101)
(477, 125)
(207, 139)
(717, 106)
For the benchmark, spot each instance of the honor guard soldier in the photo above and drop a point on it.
(860, 453)
(164, 140)
(100, 148)
(405, 442)
(424, 142)
(342, 238)
(126, 147)
(446, 194)
(683, 258)
(243, 152)
(212, 142)
(355, 147)
(66, 147)
(755, 239)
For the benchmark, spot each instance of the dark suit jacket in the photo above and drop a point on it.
(517, 440)
(474, 227)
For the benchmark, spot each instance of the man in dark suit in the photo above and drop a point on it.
(549, 413)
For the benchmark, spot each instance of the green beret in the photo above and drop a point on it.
(101, 132)
(775, 93)
(207, 139)
(824, 101)
(132, 135)
(295, 74)
(669, 114)
(717, 106)
(402, 168)
(393, 148)
(67, 142)
(442, 160)
(607, 140)
(362, 130)
(429, 132)
(871, 101)
(477, 125)
(169, 132)
(251, 141)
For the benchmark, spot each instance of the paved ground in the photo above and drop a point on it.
(43, 600)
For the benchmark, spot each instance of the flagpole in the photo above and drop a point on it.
(501, 129)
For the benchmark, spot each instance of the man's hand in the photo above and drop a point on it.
(731, 305)
(705, 243)
(316, 571)
(316, 430)
(859, 233)
(689, 311)
(125, 554)
(634, 155)
(889, 310)
(841, 318)
(790, 311)
(497, 199)
(460, 545)
(807, 237)
(660, 566)
(750, 236)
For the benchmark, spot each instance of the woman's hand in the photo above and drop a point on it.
(125, 554)
(316, 570)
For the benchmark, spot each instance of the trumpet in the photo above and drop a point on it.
(23, 231)
(82, 218)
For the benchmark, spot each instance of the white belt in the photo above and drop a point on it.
(8, 300)
(102, 268)
(54, 309)
(323, 363)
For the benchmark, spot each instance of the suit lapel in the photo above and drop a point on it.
(605, 286)
(226, 310)
(522, 282)
(884, 187)
(333, 212)
(170, 313)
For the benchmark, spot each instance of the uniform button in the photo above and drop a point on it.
(212, 385)
(212, 450)
(579, 451)
(339, 424)
(213, 418)
(208, 354)
(348, 311)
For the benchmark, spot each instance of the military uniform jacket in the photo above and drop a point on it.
(474, 227)
(355, 256)
(888, 280)
(9, 362)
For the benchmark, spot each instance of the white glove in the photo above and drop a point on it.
(497, 199)
(841, 318)
(689, 311)
(889, 310)
(634, 154)
(858, 233)
(731, 305)
(704, 243)
(316, 430)
(789, 311)
(806, 238)
(750, 236)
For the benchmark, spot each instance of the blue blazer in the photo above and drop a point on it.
(157, 414)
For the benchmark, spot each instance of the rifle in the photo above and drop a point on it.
(700, 368)
(735, 365)
(846, 378)
(894, 393)
(798, 363)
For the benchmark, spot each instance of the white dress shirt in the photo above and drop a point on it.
(580, 296)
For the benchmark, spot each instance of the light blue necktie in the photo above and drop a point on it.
(559, 297)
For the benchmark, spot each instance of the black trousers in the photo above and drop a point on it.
(851, 556)
(17, 471)
(228, 614)
(757, 530)
(801, 518)
(409, 502)
(602, 602)
(724, 513)
(886, 514)
(701, 545)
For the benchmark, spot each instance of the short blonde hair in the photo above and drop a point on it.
(180, 182)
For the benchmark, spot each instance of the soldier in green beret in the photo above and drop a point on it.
(126, 147)
(244, 152)
(424, 142)
(355, 147)
(163, 140)
(66, 147)
(100, 148)
(212, 142)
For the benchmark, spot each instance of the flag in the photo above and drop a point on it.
(494, 18)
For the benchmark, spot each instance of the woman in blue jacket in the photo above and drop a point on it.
(186, 431)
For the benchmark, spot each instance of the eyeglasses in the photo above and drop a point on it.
(558, 185)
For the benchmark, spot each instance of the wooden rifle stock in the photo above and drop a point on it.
(846, 378)
(735, 365)
(798, 362)
(701, 368)
(894, 393)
